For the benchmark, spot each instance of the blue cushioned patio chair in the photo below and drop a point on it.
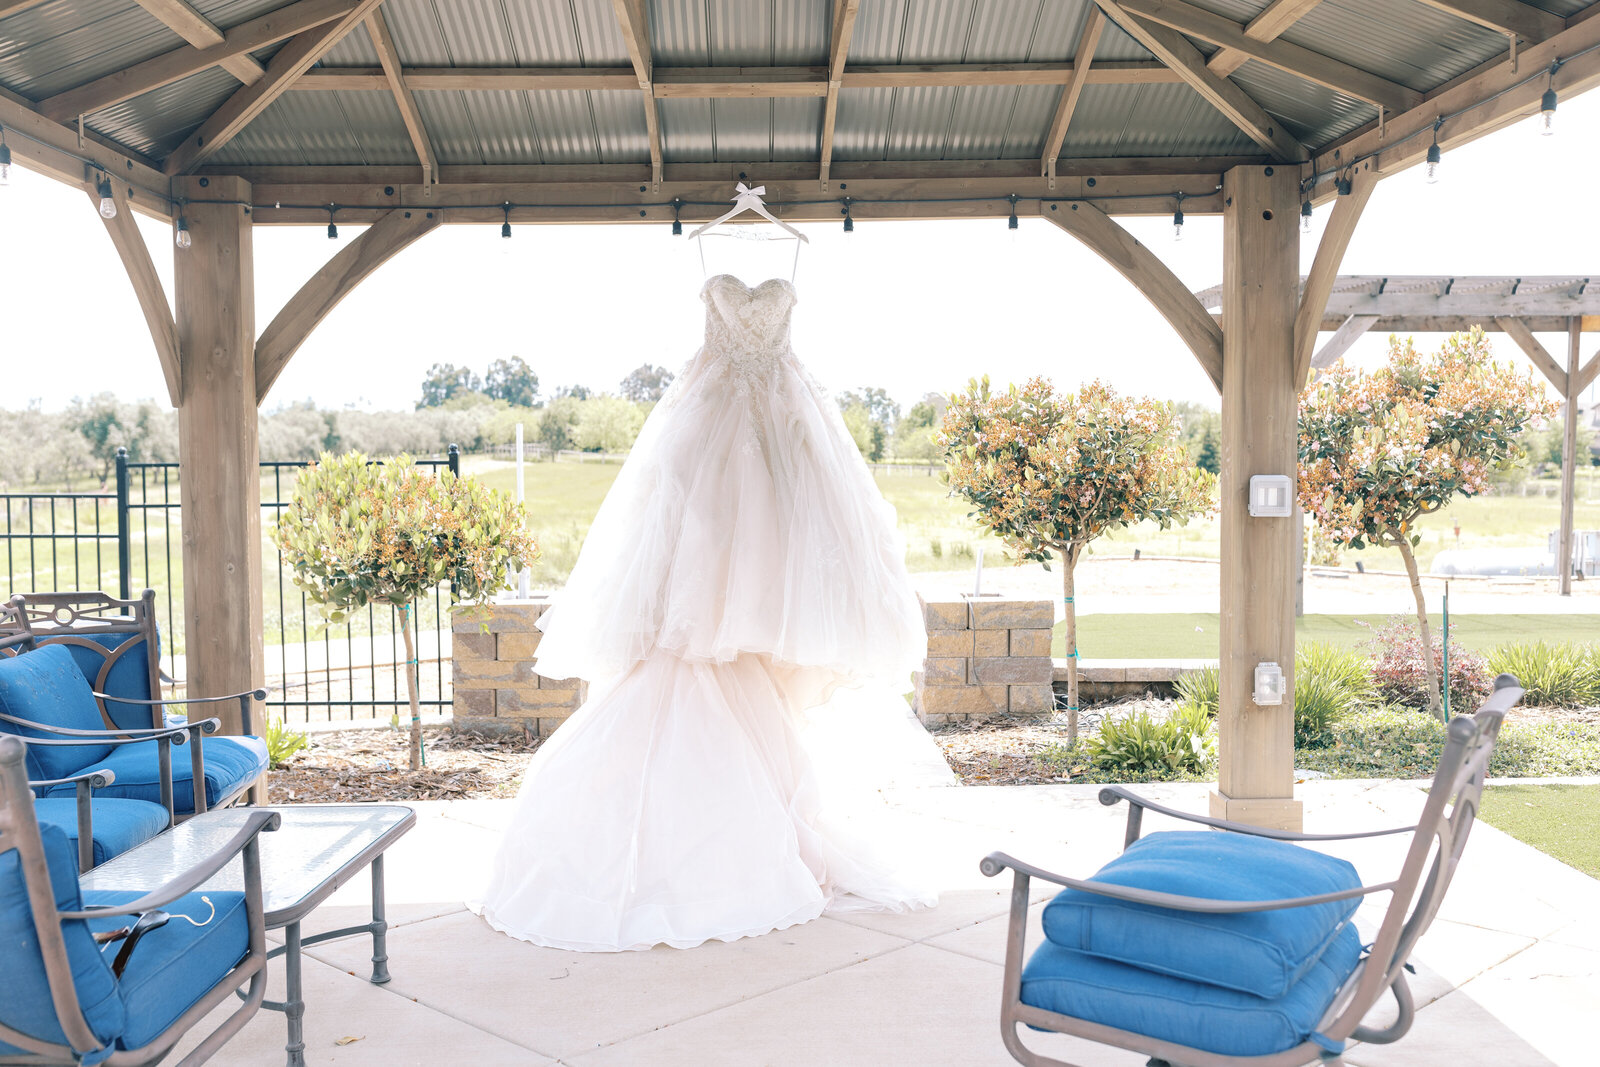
(117, 646)
(1231, 948)
(118, 978)
(122, 822)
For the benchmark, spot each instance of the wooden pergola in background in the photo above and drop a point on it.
(224, 115)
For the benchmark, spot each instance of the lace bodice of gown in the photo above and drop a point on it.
(747, 328)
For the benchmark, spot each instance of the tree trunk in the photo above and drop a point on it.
(1069, 559)
(411, 688)
(1434, 704)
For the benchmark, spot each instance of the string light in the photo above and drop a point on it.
(849, 223)
(1011, 223)
(505, 227)
(1430, 173)
(333, 229)
(1547, 103)
(5, 159)
(108, 202)
(1305, 216)
(677, 223)
(180, 235)
(1177, 220)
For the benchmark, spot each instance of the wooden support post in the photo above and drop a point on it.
(217, 452)
(1261, 273)
(1569, 459)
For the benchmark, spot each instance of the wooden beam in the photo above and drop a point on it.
(1569, 463)
(844, 25)
(1083, 62)
(141, 269)
(1504, 16)
(739, 82)
(1587, 374)
(389, 58)
(378, 244)
(1151, 277)
(201, 32)
(1325, 268)
(55, 150)
(249, 101)
(179, 63)
(1497, 95)
(1349, 332)
(1267, 26)
(634, 22)
(1518, 331)
(1172, 48)
(1291, 58)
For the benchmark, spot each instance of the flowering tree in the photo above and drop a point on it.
(1378, 451)
(1050, 472)
(359, 533)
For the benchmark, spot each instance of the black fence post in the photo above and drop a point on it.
(124, 530)
(455, 460)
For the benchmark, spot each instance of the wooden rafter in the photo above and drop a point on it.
(1267, 26)
(201, 32)
(714, 82)
(1518, 331)
(1505, 16)
(376, 245)
(1173, 48)
(1290, 58)
(634, 22)
(1324, 270)
(844, 26)
(389, 58)
(53, 149)
(181, 62)
(1349, 332)
(141, 268)
(1082, 64)
(1151, 277)
(248, 101)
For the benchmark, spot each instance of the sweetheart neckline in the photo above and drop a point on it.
(741, 282)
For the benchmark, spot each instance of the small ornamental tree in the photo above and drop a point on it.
(1050, 472)
(1378, 451)
(359, 533)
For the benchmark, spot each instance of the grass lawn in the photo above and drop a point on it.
(1559, 820)
(1194, 636)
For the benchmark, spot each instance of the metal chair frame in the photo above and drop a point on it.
(1437, 841)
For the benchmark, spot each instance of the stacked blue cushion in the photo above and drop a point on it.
(46, 686)
(1239, 984)
(118, 824)
(230, 764)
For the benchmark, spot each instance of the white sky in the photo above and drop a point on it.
(911, 307)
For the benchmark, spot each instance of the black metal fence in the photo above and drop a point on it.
(315, 671)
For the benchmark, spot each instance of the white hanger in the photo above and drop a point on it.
(748, 199)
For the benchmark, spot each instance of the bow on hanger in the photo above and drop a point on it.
(748, 199)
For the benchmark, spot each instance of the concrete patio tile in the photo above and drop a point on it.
(390, 1030)
(1451, 954)
(918, 1005)
(958, 909)
(987, 940)
(1585, 933)
(560, 1002)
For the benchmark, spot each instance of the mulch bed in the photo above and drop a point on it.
(372, 764)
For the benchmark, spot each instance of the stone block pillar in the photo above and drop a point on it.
(986, 656)
(496, 688)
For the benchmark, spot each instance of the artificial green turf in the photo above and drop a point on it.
(1559, 820)
(1194, 636)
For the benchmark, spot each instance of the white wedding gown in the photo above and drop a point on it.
(742, 590)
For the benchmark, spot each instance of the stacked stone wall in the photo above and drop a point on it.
(987, 656)
(496, 688)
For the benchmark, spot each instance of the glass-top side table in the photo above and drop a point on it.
(316, 849)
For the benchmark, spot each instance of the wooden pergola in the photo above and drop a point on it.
(225, 115)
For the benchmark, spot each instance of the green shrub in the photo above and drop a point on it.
(1142, 743)
(1329, 683)
(1405, 743)
(283, 743)
(1199, 689)
(1558, 675)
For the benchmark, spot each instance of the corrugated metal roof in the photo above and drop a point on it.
(1413, 44)
(157, 122)
(1150, 120)
(1308, 111)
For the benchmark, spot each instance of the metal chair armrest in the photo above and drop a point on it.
(256, 821)
(85, 782)
(253, 694)
(995, 862)
(109, 737)
(98, 778)
(1111, 794)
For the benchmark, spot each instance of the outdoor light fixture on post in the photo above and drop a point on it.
(1268, 691)
(1305, 216)
(1271, 496)
(180, 233)
(108, 202)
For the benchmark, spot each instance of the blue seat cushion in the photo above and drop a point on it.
(46, 686)
(1263, 953)
(26, 1005)
(1207, 1017)
(118, 823)
(231, 763)
(173, 967)
(127, 676)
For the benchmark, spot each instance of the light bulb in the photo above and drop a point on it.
(5, 164)
(333, 231)
(849, 224)
(1547, 113)
(108, 203)
(1431, 172)
(505, 229)
(1177, 225)
(1305, 216)
(180, 236)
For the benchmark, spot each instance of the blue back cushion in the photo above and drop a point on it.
(46, 686)
(231, 763)
(1221, 1021)
(26, 1005)
(129, 675)
(1263, 953)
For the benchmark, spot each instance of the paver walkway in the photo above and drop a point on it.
(1509, 976)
